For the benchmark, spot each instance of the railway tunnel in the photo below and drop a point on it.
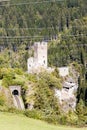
(15, 92)
(17, 98)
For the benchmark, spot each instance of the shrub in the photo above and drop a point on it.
(2, 99)
(7, 76)
(7, 72)
(72, 118)
(18, 71)
(51, 80)
(34, 114)
(11, 78)
(52, 119)
(80, 107)
(14, 110)
(63, 120)
(32, 77)
(6, 81)
(17, 82)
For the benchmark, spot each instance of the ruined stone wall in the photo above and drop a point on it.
(40, 53)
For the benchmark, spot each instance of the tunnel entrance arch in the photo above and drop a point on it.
(15, 92)
(16, 95)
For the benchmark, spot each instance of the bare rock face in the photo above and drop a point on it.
(66, 96)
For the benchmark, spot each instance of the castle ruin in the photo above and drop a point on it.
(40, 57)
(39, 62)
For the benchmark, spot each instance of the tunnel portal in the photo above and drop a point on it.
(15, 92)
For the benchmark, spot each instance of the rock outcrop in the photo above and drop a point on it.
(66, 96)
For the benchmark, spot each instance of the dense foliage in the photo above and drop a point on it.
(21, 25)
(64, 25)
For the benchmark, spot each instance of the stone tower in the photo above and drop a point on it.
(40, 57)
(40, 54)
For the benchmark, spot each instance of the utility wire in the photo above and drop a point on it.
(31, 3)
(61, 45)
(24, 19)
(24, 37)
(48, 28)
(31, 41)
(41, 28)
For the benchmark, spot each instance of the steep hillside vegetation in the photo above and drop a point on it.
(22, 24)
(62, 23)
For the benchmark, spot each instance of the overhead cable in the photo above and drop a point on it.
(24, 37)
(41, 28)
(30, 3)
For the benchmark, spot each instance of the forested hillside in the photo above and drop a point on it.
(63, 23)
(22, 23)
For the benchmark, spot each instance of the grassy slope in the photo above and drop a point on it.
(19, 122)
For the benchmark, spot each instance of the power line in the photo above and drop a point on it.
(31, 3)
(29, 28)
(41, 28)
(18, 37)
(24, 19)
(31, 41)
(75, 35)
(24, 37)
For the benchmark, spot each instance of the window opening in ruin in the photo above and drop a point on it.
(71, 82)
(44, 61)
